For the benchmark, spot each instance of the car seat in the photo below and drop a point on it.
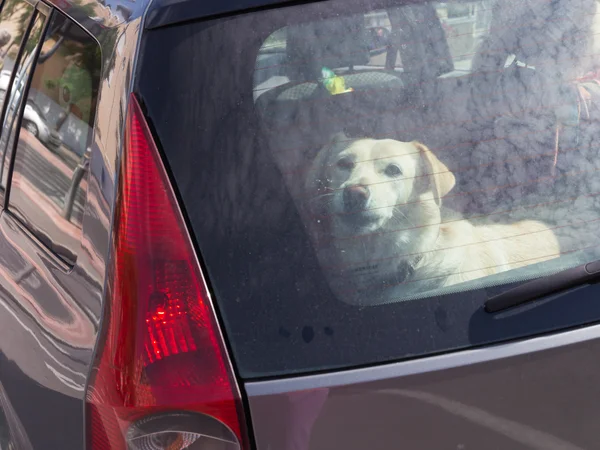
(300, 116)
(535, 155)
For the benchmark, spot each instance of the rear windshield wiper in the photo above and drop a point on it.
(551, 284)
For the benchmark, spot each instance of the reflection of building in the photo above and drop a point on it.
(377, 19)
(465, 24)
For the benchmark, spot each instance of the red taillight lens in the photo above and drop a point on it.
(160, 350)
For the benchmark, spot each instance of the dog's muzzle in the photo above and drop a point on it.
(356, 198)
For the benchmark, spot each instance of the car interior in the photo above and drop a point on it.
(516, 128)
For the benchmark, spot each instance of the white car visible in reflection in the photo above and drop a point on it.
(34, 119)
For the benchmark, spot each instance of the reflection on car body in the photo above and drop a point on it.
(187, 260)
(36, 123)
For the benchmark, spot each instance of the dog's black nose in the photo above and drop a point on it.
(356, 197)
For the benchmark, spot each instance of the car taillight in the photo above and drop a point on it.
(161, 376)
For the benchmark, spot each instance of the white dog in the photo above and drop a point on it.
(374, 208)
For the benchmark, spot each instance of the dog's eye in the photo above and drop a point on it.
(346, 164)
(393, 170)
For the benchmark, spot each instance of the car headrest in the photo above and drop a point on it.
(333, 43)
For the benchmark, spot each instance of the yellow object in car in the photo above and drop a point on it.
(335, 84)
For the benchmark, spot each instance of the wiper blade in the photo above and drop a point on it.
(551, 284)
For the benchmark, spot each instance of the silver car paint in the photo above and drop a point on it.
(50, 316)
(539, 393)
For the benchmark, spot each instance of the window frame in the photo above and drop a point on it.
(29, 229)
(47, 12)
(38, 8)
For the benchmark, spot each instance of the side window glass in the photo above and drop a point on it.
(14, 19)
(48, 182)
(22, 70)
(270, 63)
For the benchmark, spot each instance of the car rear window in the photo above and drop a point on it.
(361, 176)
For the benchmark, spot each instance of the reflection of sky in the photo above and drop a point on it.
(136, 8)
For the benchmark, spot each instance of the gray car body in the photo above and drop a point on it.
(539, 393)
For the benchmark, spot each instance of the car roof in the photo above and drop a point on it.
(167, 12)
(160, 13)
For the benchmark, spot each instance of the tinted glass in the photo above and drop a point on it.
(362, 176)
(14, 19)
(49, 179)
(21, 75)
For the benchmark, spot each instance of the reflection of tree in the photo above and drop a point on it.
(89, 8)
(5, 38)
(89, 56)
(81, 58)
(9, 11)
(79, 83)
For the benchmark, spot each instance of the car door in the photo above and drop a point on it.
(51, 273)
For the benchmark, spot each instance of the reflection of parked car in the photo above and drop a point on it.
(34, 119)
(4, 80)
(35, 122)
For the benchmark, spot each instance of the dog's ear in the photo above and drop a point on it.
(440, 179)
